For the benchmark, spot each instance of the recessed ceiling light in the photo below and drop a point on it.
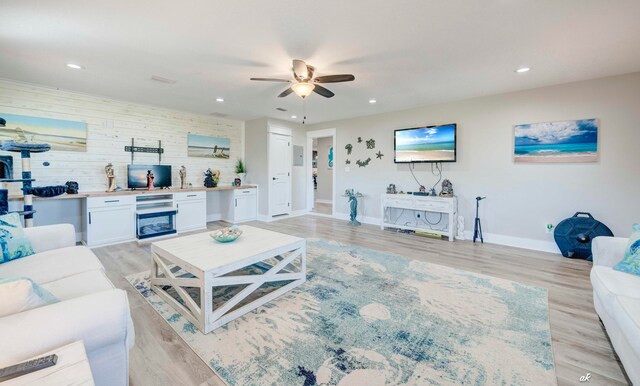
(219, 100)
(75, 66)
(372, 101)
(293, 117)
(522, 70)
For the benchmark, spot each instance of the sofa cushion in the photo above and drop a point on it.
(609, 284)
(631, 261)
(52, 265)
(18, 294)
(627, 315)
(13, 242)
(80, 284)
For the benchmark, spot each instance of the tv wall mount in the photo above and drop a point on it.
(133, 149)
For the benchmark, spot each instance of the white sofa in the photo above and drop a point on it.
(91, 309)
(616, 296)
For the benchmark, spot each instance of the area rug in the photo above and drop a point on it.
(370, 318)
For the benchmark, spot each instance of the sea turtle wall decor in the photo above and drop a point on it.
(371, 143)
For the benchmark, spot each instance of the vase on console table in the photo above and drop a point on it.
(241, 178)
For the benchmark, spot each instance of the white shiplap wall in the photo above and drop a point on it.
(110, 126)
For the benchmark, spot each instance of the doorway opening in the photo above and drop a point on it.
(321, 173)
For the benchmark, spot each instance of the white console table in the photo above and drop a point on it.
(406, 211)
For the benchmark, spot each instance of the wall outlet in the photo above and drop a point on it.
(549, 228)
(346, 169)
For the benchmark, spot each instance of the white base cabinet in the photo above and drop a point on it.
(242, 206)
(109, 220)
(112, 219)
(191, 210)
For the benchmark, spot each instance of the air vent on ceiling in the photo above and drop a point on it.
(162, 80)
(280, 109)
(220, 115)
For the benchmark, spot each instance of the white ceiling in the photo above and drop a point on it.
(403, 53)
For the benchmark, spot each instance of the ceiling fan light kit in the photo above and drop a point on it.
(303, 89)
(304, 83)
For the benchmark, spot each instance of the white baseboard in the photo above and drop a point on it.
(324, 201)
(362, 219)
(214, 217)
(491, 238)
(295, 213)
(518, 242)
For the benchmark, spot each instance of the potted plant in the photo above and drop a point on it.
(241, 171)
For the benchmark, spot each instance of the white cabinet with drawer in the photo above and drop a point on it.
(243, 206)
(420, 213)
(191, 210)
(109, 220)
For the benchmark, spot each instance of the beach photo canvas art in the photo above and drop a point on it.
(62, 135)
(209, 147)
(562, 141)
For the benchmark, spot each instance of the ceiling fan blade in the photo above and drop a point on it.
(285, 92)
(323, 91)
(271, 80)
(300, 70)
(335, 78)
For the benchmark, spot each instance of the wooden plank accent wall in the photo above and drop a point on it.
(110, 126)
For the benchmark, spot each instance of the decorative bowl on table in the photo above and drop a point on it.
(226, 235)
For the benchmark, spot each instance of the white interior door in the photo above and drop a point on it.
(279, 174)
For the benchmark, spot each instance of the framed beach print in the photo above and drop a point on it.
(61, 134)
(209, 147)
(561, 141)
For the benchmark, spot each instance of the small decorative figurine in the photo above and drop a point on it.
(237, 182)
(150, 178)
(371, 143)
(353, 203)
(209, 180)
(391, 189)
(422, 189)
(460, 230)
(183, 177)
(111, 177)
(72, 187)
(349, 147)
(447, 189)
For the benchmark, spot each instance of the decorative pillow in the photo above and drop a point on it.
(13, 242)
(18, 294)
(631, 262)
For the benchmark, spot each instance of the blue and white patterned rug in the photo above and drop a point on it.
(370, 318)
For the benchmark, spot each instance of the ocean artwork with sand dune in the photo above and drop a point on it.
(209, 147)
(562, 141)
(61, 134)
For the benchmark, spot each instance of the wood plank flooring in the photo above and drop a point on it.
(580, 346)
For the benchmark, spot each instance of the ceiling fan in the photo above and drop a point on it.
(304, 83)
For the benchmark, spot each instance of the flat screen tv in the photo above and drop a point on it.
(137, 176)
(425, 144)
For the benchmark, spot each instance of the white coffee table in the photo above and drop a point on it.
(213, 263)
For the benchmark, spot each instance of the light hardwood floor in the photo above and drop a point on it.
(580, 345)
(322, 208)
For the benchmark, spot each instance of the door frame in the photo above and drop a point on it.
(287, 133)
(309, 169)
